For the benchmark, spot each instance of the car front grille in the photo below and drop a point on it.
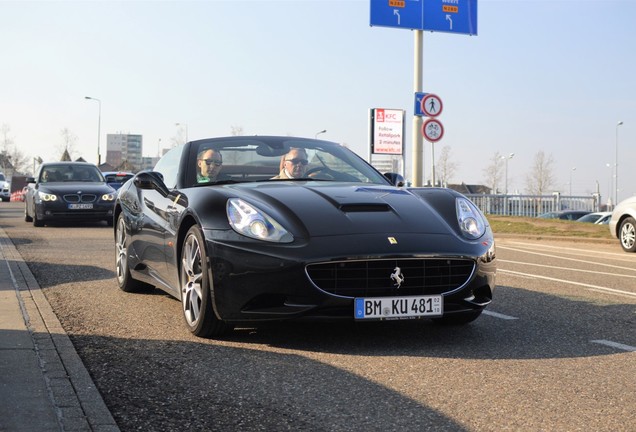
(372, 278)
(77, 198)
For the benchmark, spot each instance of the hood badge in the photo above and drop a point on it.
(397, 277)
(392, 240)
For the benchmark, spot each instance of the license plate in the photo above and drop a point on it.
(80, 206)
(398, 307)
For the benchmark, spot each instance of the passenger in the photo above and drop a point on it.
(209, 163)
(293, 164)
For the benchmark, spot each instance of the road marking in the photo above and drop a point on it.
(589, 252)
(567, 259)
(591, 287)
(498, 315)
(620, 346)
(567, 268)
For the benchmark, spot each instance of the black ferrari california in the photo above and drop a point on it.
(245, 229)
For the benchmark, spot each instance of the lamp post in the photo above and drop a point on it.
(185, 125)
(99, 124)
(616, 166)
(573, 169)
(318, 133)
(507, 158)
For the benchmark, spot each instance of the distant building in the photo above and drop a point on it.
(148, 163)
(122, 148)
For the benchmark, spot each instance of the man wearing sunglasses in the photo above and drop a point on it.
(209, 163)
(293, 164)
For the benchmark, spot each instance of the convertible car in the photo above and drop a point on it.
(262, 240)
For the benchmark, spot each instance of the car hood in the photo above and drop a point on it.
(75, 187)
(332, 209)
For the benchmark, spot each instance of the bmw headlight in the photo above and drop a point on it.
(108, 197)
(470, 219)
(47, 196)
(249, 221)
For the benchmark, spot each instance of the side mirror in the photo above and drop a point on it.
(29, 180)
(395, 179)
(150, 180)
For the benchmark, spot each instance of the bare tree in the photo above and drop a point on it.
(493, 172)
(237, 130)
(541, 177)
(12, 160)
(181, 137)
(445, 166)
(67, 146)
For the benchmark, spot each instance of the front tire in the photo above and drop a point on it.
(627, 234)
(27, 218)
(36, 222)
(124, 278)
(195, 288)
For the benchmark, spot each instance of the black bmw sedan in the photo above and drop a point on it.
(244, 229)
(68, 191)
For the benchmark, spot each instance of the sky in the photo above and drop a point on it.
(541, 75)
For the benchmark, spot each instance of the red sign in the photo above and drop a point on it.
(432, 130)
(431, 105)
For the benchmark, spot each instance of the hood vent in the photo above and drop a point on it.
(365, 208)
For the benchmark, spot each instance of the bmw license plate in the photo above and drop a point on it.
(80, 206)
(398, 307)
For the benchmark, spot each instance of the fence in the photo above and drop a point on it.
(533, 205)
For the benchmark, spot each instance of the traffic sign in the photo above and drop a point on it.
(452, 16)
(432, 130)
(431, 105)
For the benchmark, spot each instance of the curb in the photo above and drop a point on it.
(78, 404)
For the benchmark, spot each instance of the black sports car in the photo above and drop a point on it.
(68, 191)
(245, 229)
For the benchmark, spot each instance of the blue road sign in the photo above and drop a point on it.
(418, 104)
(452, 16)
(406, 14)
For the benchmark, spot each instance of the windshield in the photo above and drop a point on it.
(70, 173)
(248, 159)
(1, 177)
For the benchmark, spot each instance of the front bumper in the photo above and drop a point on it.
(281, 282)
(60, 211)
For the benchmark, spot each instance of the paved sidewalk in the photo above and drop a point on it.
(44, 385)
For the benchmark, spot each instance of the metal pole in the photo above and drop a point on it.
(99, 125)
(418, 147)
(616, 166)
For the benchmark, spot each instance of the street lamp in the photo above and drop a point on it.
(616, 166)
(185, 125)
(99, 124)
(318, 133)
(507, 158)
(573, 169)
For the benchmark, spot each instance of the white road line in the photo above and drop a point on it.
(591, 287)
(569, 259)
(620, 346)
(623, 256)
(498, 315)
(566, 268)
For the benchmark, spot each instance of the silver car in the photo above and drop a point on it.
(622, 225)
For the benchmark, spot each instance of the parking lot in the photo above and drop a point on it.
(555, 351)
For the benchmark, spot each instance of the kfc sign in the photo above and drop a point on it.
(387, 131)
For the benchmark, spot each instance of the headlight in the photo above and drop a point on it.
(470, 219)
(47, 196)
(249, 221)
(108, 197)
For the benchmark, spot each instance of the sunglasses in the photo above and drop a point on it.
(209, 162)
(297, 161)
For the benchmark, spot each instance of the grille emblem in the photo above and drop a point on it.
(392, 240)
(397, 277)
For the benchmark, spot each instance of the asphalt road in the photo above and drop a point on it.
(556, 350)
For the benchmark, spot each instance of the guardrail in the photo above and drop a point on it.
(533, 205)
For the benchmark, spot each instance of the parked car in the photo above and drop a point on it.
(68, 191)
(5, 188)
(622, 224)
(564, 215)
(598, 218)
(340, 241)
(115, 179)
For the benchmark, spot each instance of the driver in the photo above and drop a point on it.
(293, 164)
